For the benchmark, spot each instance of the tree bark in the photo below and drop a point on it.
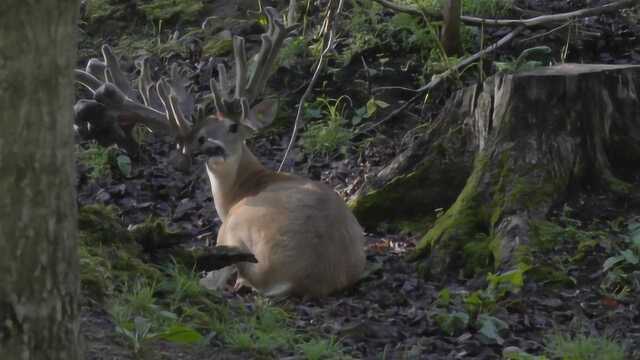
(538, 137)
(39, 284)
(450, 36)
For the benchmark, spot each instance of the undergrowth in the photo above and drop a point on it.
(562, 346)
(165, 302)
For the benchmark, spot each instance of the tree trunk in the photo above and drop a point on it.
(450, 36)
(536, 136)
(39, 283)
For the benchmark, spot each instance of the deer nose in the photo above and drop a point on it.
(212, 148)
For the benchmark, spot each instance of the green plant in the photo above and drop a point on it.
(165, 10)
(510, 281)
(366, 28)
(180, 285)
(328, 136)
(217, 47)
(582, 347)
(368, 110)
(454, 323)
(99, 8)
(139, 318)
(97, 158)
(522, 63)
(262, 330)
(622, 271)
(103, 161)
(169, 304)
(294, 49)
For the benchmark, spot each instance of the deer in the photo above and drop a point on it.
(304, 237)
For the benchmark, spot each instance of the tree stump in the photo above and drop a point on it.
(536, 137)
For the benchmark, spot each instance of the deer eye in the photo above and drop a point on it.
(233, 128)
(201, 140)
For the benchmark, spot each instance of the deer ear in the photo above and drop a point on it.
(261, 115)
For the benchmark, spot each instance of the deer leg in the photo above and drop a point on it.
(216, 280)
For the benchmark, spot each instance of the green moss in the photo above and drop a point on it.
(97, 9)
(153, 233)
(412, 197)
(548, 274)
(108, 254)
(216, 46)
(416, 226)
(127, 265)
(100, 224)
(166, 10)
(463, 219)
(466, 236)
(545, 235)
(617, 186)
(478, 254)
(95, 274)
(461, 236)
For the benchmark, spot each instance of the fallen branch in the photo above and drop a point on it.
(436, 79)
(327, 28)
(532, 22)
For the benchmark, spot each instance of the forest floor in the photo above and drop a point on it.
(393, 313)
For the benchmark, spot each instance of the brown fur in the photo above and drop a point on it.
(306, 240)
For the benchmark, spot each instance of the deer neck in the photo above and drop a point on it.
(229, 182)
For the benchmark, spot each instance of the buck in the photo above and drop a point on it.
(305, 239)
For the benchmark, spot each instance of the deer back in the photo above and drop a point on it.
(305, 239)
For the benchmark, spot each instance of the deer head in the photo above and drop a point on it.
(168, 108)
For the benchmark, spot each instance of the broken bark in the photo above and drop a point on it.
(536, 136)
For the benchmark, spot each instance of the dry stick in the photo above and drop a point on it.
(328, 28)
(436, 79)
(535, 21)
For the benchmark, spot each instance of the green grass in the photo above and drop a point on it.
(319, 349)
(326, 138)
(328, 135)
(583, 348)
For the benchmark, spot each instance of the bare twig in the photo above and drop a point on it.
(535, 21)
(537, 36)
(437, 79)
(327, 28)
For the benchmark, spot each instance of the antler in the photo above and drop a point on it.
(166, 106)
(114, 110)
(249, 86)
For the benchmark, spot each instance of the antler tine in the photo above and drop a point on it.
(217, 97)
(96, 67)
(262, 58)
(181, 129)
(87, 80)
(147, 87)
(241, 66)
(114, 74)
(179, 125)
(223, 82)
(276, 33)
(184, 99)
